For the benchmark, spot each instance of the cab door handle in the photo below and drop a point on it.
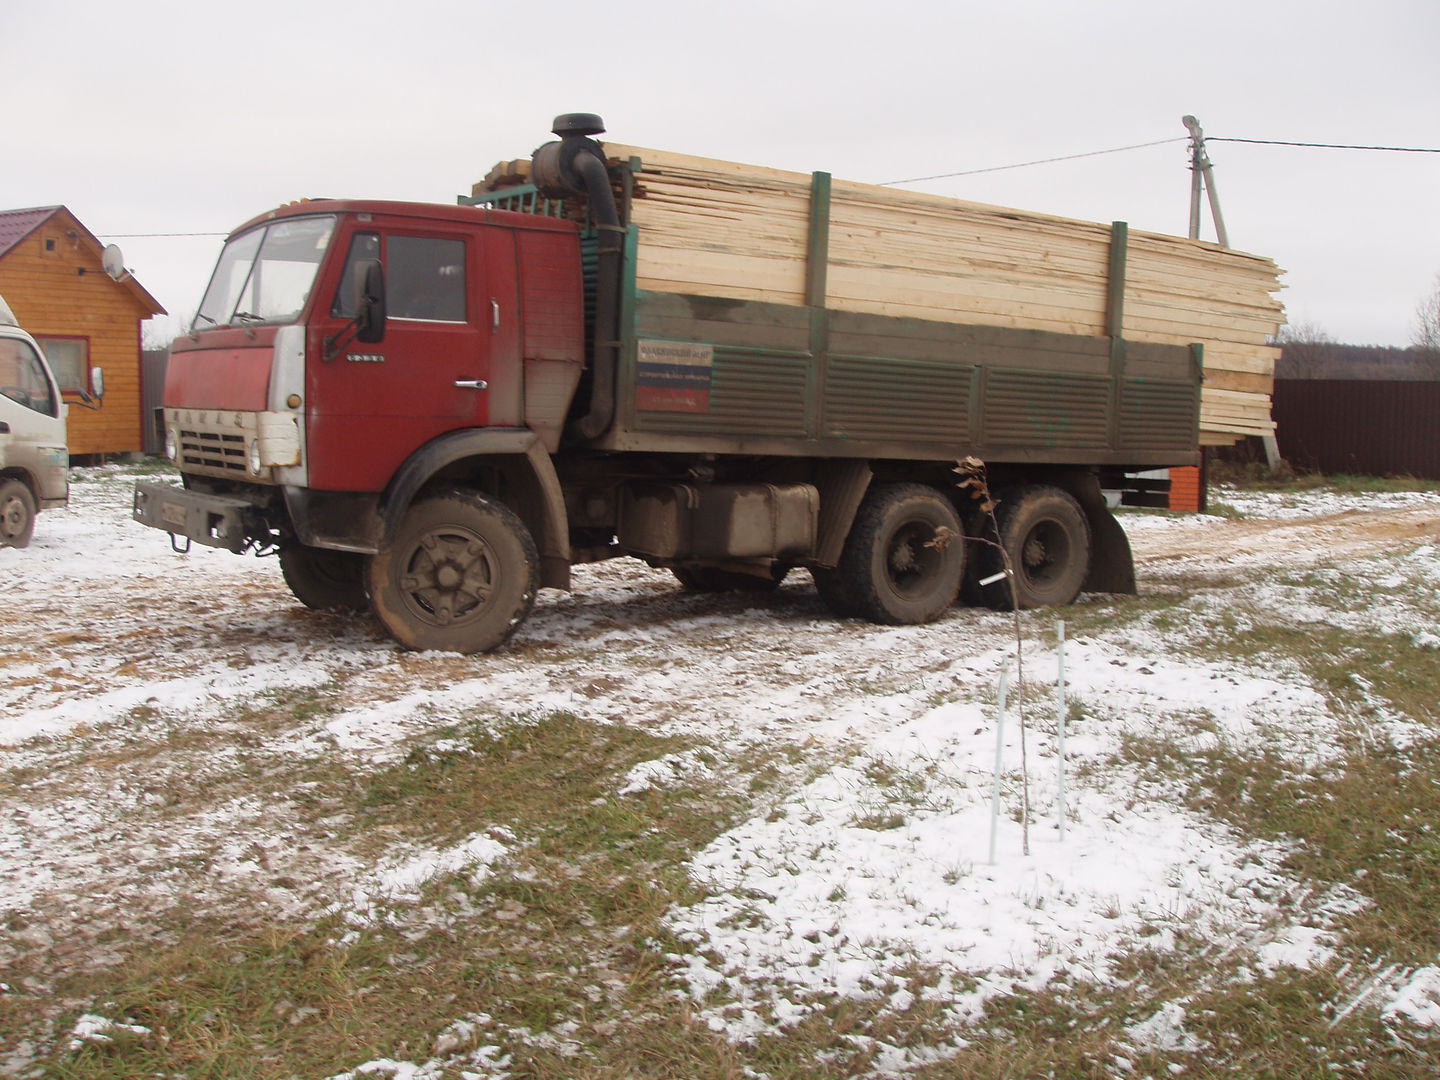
(472, 384)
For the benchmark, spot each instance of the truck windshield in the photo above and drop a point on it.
(265, 275)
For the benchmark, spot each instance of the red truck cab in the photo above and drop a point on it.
(300, 406)
(475, 301)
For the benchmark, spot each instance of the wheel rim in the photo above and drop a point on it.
(12, 517)
(1045, 554)
(449, 577)
(913, 559)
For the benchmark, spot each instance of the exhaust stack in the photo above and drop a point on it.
(576, 166)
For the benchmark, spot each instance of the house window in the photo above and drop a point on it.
(70, 361)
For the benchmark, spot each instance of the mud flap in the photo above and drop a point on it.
(1112, 566)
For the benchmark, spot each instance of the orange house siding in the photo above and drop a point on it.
(50, 299)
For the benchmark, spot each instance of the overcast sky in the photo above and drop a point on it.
(155, 117)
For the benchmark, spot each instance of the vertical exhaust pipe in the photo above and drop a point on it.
(576, 166)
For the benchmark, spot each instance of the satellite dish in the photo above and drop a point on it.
(114, 262)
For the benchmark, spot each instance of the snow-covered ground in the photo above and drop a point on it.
(891, 854)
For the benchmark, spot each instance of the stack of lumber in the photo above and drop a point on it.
(741, 231)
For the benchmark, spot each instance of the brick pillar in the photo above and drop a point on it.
(1186, 489)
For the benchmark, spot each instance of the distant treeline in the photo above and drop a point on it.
(1331, 360)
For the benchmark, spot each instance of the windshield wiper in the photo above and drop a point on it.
(246, 318)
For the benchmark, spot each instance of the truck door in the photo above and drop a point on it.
(447, 362)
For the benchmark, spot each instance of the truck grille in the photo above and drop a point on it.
(212, 442)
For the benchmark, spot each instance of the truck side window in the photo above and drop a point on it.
(22, 379)
(425, 278)
(365, 245)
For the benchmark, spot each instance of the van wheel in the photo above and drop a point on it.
(325, 580)
(1044, 532)
(17, 514)
(460, 575)
(903, 560)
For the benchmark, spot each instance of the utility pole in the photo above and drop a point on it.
(1203, 176)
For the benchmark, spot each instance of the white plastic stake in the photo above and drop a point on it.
(999, 756)
(1061, 710)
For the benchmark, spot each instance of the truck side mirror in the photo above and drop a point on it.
(97, 381)
(370, 302)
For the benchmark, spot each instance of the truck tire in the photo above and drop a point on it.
(1044, 532)
(903, 560)
(833, 594)
(325, 580)
(713, 579)
(17, 514)
(460, 575)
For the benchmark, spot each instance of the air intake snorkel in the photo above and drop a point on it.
(576, 166)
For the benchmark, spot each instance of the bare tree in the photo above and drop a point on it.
(1306, 351)
(1427, 320)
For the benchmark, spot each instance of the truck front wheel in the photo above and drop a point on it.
(460, 575)
(903, 560)
(325, 580)
(1044, 533)
(17, 514)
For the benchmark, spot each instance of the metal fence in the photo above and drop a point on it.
(1351, 426)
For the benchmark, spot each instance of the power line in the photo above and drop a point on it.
(1041, 161)
(1327, 146)
(154, 235)
(1162, 142)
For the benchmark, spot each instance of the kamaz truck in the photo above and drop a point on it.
(432, 411)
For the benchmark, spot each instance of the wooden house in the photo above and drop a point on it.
(53, 276)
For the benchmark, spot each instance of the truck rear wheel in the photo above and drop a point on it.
(325, 580)
(1044, 532)
(903, 560)
(460, 575)
(17, 514)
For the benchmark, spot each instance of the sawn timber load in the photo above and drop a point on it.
(748, 233)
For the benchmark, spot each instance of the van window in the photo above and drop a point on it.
(22, 377)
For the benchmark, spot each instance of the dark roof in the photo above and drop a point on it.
(15, 225)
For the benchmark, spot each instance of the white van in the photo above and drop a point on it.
(33, 455)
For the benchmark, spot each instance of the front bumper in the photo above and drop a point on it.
(220, 521)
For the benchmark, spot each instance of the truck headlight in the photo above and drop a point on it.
(255, 456)
(172, 444)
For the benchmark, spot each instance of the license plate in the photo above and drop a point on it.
(172, 514)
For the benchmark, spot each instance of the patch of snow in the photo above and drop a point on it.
(1164, 1032)
(101, 1030)
(669, 771)
(1418, 1001)
(399, 881)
